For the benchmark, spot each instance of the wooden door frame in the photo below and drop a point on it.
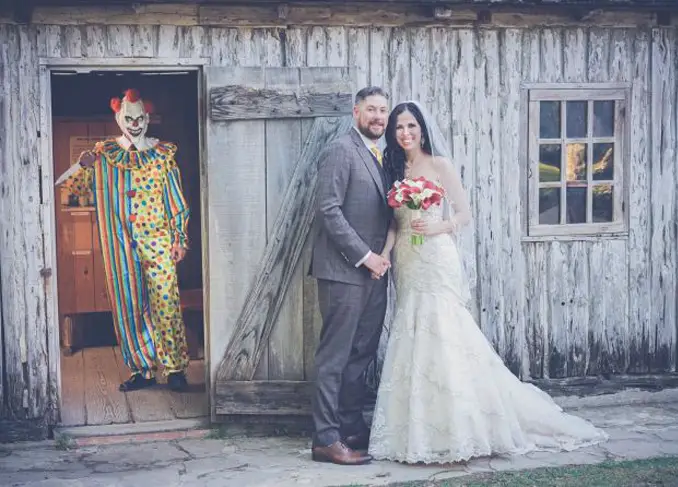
(48, 206)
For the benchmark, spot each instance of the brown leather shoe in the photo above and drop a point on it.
(357, 442)
(340, 454)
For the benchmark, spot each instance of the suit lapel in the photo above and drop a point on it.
(369, 161)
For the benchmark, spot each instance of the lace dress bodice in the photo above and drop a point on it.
(433, 267)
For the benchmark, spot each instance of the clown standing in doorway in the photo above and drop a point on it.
(142, 218)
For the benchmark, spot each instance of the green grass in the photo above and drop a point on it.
(638, 473)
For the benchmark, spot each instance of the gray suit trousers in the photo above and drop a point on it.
(353, 318)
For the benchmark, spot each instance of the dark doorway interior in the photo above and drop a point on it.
(81, 116)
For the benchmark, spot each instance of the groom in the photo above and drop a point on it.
(352, 219)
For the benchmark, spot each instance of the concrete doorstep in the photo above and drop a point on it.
(640, 424)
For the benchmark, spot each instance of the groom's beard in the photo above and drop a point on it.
(372, 132)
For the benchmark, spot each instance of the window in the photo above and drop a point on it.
(576, 160)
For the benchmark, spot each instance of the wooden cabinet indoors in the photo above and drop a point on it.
(81, 278)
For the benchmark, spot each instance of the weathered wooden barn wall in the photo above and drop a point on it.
(552, 309)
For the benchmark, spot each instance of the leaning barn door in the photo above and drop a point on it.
(265, 130)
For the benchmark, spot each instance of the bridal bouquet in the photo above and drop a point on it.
(416, 194)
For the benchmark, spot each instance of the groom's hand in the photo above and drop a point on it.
(377, 265)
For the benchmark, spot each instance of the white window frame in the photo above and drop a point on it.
(564, 92)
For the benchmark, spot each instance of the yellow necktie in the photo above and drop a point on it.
(377, 153)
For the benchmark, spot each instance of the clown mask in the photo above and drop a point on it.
(133, 116)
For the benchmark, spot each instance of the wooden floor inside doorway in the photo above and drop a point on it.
(90, 395)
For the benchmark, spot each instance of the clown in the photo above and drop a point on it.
(142, 217)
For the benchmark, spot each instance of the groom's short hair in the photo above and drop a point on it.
(369, 91)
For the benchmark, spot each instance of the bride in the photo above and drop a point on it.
(445, 395)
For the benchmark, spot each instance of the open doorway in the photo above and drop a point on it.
(92, 367)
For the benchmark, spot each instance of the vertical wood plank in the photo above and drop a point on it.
(675, 205)
(72, 41)
(51, 41)
(272, 47)
(663, 194)
(575, 55)
(285, 355)
(422, 69)
(119, 40)
(488, 177)
(531, 65)
(620, 67)
(29, 253)
(283, 148)
(192, 40)
(380, 74)
(578, 353)
(608, 284)
(599, 50)
(312, 318)
(337, 48)
(249, 50)
(551, 54)
(511, 256)
(316, 47)
(169, 40)
(639, 206)
(5, 187)
(296, 47)
(440, 102)
(359, 55)
(560, 288)
(269, 50)
(94, 41)
(306, 49)
(237, 230)
(218, 50)
(464, 140)
(399, 66)
(537, 308)
(145, 40)
(48, 192)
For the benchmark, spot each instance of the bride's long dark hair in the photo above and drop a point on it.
(394, 155)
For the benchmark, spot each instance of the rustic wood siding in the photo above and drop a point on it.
(552, 309)
(21, 244)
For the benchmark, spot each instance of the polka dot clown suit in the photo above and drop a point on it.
(142, 216)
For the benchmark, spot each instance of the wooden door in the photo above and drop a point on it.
(264, 133)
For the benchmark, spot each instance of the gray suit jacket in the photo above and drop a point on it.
(352, 215)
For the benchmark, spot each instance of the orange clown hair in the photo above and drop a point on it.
(132, 96)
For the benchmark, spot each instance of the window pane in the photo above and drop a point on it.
(576, 203)
(603, 160)
(603, 118)
(549, 119)
(576, 162)
(577, 119)
(549, 162)
(602, 203)
(549, 206)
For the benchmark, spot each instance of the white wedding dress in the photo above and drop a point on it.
(445, 395)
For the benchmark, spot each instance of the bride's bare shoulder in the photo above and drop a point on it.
(440, 161)
(441, 165)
